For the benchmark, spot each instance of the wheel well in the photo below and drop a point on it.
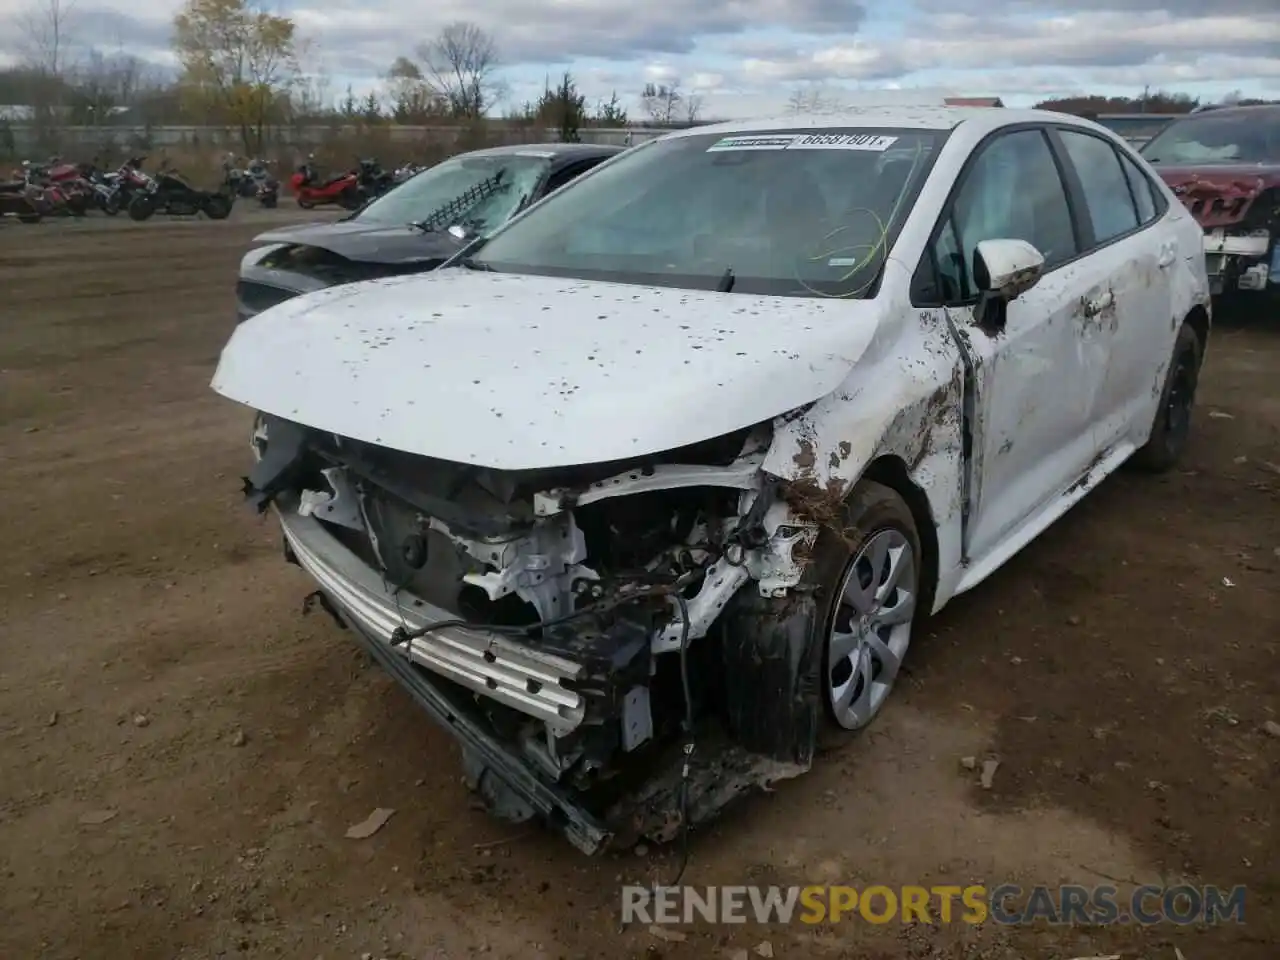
(892, 472)
(1198, 321)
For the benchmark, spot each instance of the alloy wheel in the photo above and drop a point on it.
(871, 629)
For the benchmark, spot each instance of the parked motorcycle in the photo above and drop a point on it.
(56, 188)
(406, 171)
(17, 200)
(105, 188)
(311, 191)
(371, 180)
(256, 181)
(130, 180)
(169, 192)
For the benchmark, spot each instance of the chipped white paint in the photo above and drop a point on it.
(519, 372)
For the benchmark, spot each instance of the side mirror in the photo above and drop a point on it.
(459, 233)
(1007, 268)
(1003, 270)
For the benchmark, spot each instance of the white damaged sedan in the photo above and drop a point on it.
(646, 492)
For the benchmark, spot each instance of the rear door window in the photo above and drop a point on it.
(1106, 189)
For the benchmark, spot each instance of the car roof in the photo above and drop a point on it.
(1232, 110)
(919, 117)
(553, 151)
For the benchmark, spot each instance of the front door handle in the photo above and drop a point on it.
(1095, 307)
(1168, 253)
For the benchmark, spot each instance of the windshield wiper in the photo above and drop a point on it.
(726, 281)
(422, 225)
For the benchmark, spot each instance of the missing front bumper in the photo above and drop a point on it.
(519, 676)
(505, 779)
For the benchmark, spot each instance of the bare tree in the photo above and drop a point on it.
(104, 83)
(692, 108)
(311, 94)
(661, 101)
(814, 97)
(460, 66)
(44, 29)
(46, 35)
(412, 99)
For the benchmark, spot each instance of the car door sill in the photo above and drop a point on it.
(1105, 464)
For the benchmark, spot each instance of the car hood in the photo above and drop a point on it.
(517, 372)
(1220, 194)
(369, 242)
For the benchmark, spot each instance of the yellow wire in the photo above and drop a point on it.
(877, 244)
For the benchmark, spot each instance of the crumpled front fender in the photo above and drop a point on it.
(904, 399)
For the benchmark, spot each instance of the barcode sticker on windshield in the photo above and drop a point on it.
(876, 143)
(843, 141)
(769, 142)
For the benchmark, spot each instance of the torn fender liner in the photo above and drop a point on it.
(772, 651)
(489, 765)
(774, 711)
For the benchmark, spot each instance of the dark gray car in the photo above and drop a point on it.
(414, 227)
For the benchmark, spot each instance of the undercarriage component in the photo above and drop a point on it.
(773, 652)
(513, 784)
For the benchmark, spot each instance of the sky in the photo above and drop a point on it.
(746, 57)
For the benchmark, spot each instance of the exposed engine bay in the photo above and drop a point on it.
(583, 630)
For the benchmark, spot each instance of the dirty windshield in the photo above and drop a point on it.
(1238, 136)
(480, 192)
(786, 212)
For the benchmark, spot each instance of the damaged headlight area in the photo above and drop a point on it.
(1242, 233)
(620, 647)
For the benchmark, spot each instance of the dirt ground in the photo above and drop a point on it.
(181, 752)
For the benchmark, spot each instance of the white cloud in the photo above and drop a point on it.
(743, 52)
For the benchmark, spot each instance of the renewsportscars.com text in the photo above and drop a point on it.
(973, 904)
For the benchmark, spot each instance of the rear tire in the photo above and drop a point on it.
(349, 199)
(1172, 427)
(270, 201)
(305, 204)
(141, 208)
(110, 206)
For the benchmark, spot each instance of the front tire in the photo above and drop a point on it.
(871, 576)
(305, 204)
(141, 207)
(1171, 430)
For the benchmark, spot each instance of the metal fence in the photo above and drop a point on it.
(87, 139)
